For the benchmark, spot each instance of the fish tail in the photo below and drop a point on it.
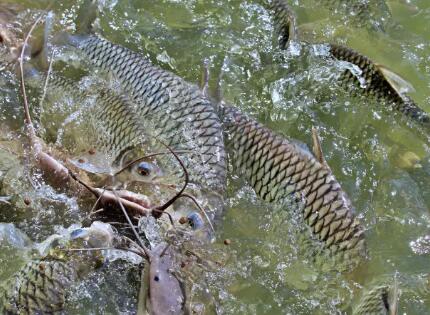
(41, 57)
(86, 16)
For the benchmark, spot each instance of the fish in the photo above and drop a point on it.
(182, 116)
(380, 82)
(381, 299)
(279, 170)
(111, 119)
(41, 286)
(110, 143)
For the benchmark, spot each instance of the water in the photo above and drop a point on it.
(381, 160)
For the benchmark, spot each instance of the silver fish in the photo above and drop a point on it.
(280, 170)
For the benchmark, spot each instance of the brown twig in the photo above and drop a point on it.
(47, 163)
(109, 198)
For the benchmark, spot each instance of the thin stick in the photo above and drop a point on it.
(108, 197)
(45, 86)
(46, 162)
(93, 209)
(161, 212)
(131, 225)
(21, 68)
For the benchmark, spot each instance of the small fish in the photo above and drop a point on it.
(160, 301)
(379, 300)
(41, 286)
(280, 170)
(379, 81)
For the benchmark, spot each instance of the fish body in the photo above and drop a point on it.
(284, 21)
(111, 121)
(280, 170)
(181, 115)
(379, 300)
(39, 288)
(159, 300)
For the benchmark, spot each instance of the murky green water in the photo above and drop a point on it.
(368, 147)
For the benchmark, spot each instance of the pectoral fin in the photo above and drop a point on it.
(396, 81)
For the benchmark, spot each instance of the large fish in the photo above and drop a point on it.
(42, 285)
(281, 170)
(374, 80)
(183, 117)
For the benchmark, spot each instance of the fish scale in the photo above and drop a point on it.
(39, 288)
(279, 170)
(113, 120)
(185, 117)
(380, 300)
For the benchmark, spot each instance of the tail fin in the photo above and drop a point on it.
(86, 17)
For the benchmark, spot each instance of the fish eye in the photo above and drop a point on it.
(144, 169)
(195, 221)
(78, 233)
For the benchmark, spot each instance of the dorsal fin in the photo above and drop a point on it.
(394, 297)
(400, 85)
(317, 149)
